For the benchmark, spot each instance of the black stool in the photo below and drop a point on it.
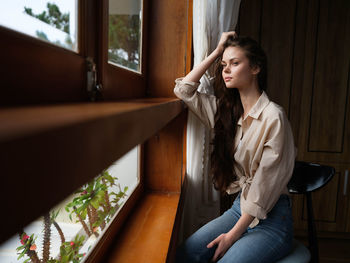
(308, 177)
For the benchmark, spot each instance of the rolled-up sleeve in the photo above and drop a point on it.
(274, 167)
(202, 105)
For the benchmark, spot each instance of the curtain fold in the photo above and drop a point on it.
(210, 19)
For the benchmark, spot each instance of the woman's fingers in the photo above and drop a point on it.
(213, 243)
(218, 250)
(224, 37)
(217, 255)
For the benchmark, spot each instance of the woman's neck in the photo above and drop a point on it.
(249, 96)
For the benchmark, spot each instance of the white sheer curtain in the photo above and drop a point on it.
(210, 19)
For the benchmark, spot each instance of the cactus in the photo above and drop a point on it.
(107, 205)
(87, 231)
(58, 228)
(47, 238)
(94, 219)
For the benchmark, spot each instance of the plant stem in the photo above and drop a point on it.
(30, 253)
(47, 235)
(87, 231)
(59, 230)
(94, 217)
(33, 256)
(108, 204)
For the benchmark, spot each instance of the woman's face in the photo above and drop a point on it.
(236, 70)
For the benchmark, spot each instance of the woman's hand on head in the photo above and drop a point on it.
(224, 36)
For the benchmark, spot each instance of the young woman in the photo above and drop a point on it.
(253, 154)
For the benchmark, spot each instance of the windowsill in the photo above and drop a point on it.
(147, 234)
(68, 145)
(19, 122)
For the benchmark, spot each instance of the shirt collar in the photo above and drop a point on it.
(257, 109)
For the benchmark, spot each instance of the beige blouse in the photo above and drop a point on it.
(264, 148)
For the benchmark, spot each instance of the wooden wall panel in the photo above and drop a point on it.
(167, 45)
(169, 57)
(330, 78)
(163, 157)
(249, 19)
(326, 207)
(272, 23)
(298, 68)
(277, 38)
(309, 64)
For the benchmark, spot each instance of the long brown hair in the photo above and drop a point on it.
(229, 111)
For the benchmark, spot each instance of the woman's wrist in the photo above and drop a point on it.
(241, 226)
(217, 52)
(234, 235)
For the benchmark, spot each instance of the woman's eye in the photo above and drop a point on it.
(235, 63)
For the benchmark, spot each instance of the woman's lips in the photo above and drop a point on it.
(227, 79)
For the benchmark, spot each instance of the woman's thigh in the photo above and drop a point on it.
(195, 247)
(269, 241)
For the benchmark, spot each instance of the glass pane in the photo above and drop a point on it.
(72, 228)
(51, 21)
(124, 38)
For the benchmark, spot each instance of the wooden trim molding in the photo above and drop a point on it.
(47, 152)
(147, 235)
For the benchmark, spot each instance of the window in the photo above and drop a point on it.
(72, 228)
(51, 134)
(52, 55)
(54, 22)
(124, 33)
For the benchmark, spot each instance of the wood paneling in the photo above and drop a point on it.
(330, 77)
(167, 46)
(272, 23)
(277, 37)
(48, 152)
(330, 205)
(324, 107)
(296, 93)
(325, 209)
(170, 42)
(249, 18)
(309, 63)
(163, 157)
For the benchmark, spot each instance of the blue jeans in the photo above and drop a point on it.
(267, 242)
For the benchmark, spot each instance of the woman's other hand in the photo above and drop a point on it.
(223, 242)
(224, 36)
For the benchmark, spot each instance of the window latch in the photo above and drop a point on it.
(93, 88)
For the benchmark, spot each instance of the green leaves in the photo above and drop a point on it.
(52, 16)
(69, 251)
(27, 242)
(93, 202)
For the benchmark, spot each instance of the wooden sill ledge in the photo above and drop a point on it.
(47, 152)
(146, 235)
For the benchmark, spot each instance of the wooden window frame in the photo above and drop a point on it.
(37, 129)
(128, 84)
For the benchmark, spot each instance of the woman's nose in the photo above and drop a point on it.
(226, 69)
